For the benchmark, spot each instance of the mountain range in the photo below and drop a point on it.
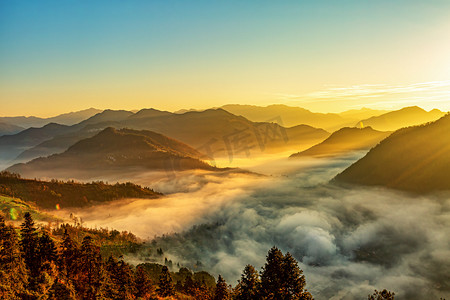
(64, 119)
(215, 132)
(114, 150)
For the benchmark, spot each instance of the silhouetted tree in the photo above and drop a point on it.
(272, 275)
(383, 295)
(281, 278)
(221, 292)
(29, 249)
(165, 287)
(293, 280)
(247, 288)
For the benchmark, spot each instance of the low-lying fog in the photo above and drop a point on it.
(348, 241)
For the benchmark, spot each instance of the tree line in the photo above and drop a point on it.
(40, 264)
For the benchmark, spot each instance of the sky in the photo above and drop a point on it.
(60, 56)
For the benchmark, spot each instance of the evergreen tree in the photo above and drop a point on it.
(68, 255)
(13, 272)
(165, 288)
(247, 288)
(383, 295)
(90, 273)
(142, 282)
(272, 275)
(29, 248)
(293, 280)
(221, 292)
(62, 290)
(46, 250)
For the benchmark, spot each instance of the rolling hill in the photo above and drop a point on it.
(345, 140)
(415, 159)
(408, 116)
(112, 151)
(56, 194)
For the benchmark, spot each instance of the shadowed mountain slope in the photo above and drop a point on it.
(117, 151)
(345, 140)
(415, 159)
(6, 128)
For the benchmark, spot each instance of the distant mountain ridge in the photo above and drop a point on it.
(344, 141)
(288, 115)
(415, 159)
(64, 119)
(408, 116)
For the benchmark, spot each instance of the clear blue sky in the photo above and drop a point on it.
(58, 56)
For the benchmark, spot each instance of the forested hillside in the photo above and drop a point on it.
(60, 194)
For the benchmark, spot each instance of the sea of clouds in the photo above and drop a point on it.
(349, 241)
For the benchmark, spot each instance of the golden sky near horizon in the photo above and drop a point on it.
(326, 57)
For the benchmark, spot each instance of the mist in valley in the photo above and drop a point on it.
(349, 241)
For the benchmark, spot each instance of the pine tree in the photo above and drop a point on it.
(165, 288)
(68, 255)
(29, 248)
(62, 290)
(46, 250)
(272, 275)
(221, 292)
(293, 280)
(247, 288)
(142, 282)
(13, 272)
(90, 272)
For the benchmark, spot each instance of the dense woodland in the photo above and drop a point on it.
(49, 194)
(69, 262)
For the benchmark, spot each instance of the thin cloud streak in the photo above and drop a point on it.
(429, 95)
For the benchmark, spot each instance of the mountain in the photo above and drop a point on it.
(64, 119)
(74, 117)
(20, 147)
(345, 140)
(149, 113)
(415, 159)
(112, 151)
(408, 116)
(108, 115)
(11, 145)
(289, 116)
(363, 113)
(215, 132)
(6, 128)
